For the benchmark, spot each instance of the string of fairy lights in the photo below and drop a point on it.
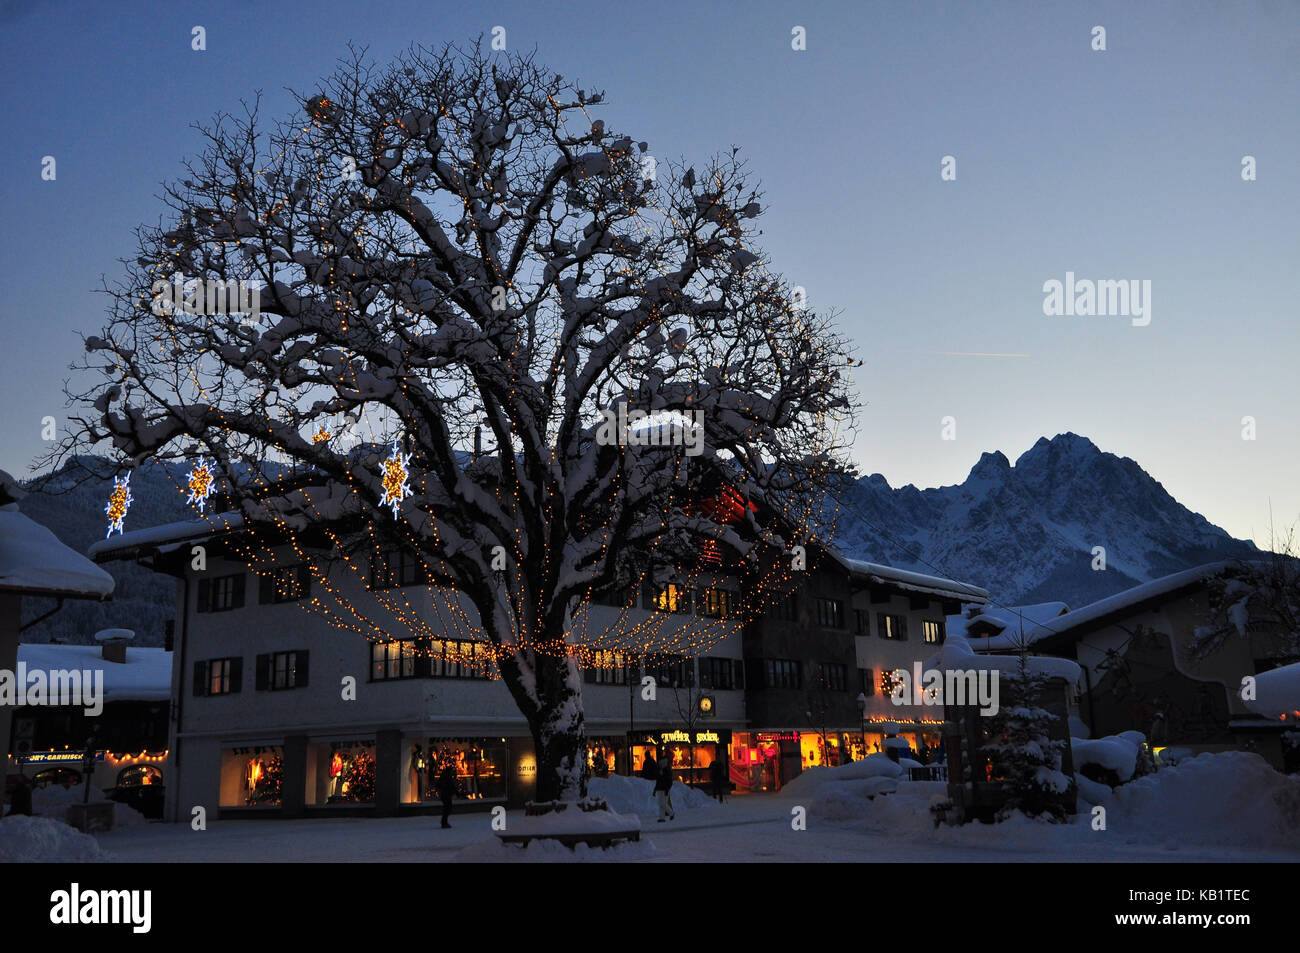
(590, 641)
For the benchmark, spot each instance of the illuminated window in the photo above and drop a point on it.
(932, 631)
(891, 626)
(392, 660)
(715, 603)
(219, 676)
(672, 598)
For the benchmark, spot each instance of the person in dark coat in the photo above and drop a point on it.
(650, 768)
(446, 790)
(20, 802)
(663, 794)
(718, 775)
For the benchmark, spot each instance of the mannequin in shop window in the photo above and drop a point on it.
(418, 769)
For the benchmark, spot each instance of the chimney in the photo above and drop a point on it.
(114, 643)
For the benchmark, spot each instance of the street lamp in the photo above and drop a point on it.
(862, 708)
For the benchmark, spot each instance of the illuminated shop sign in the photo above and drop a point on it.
(682, 737)
(57, 757)
(778, 736)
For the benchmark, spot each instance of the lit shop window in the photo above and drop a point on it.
(139, 775)
(477, 764)
(252, 776)
(341, 772)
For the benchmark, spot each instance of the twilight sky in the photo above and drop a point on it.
(1122, 164)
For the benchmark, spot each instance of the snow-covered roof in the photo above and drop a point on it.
(164, 537)
(146, 675)
(1012, 626)
(33, 561)
(914, 581)
(958, 654)
(1098, 612)
(1277, 693)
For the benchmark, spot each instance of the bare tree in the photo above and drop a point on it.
(452, 246)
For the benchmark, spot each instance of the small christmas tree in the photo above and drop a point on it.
(1023, 753)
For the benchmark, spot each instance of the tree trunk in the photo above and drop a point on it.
(559, 730)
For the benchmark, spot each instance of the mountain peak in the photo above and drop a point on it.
(1064, 447)
(990, 466)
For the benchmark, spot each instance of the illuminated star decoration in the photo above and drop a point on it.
(202, 483)
(396, 488)
(118, 504)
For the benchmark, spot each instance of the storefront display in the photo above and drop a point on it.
(479, 764)
(341, 772)
(252, 776)
(689, 755)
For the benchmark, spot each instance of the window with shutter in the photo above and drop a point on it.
(262, 673)
(200, 679)
(237, 601)
(237, 665)
(205, 596)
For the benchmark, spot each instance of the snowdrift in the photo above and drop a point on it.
(810, 782)
(43, 840)
(1233, 798)
(1230, 799)
(626, 795)
(53, 802)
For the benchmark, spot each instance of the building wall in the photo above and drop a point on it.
(403, 711)
(811, 643)
(1157, 673)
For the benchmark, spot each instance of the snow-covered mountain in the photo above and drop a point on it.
(1027, 532)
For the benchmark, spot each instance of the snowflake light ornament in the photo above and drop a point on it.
(395, 476)
(118, 503)
(202, 483)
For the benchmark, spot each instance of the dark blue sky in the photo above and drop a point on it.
(1123, 164)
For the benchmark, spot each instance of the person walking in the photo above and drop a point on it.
(663, 794)
(718, 775)
(650, 767)
(446, 790)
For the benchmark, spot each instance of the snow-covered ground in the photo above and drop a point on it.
(1224, 807)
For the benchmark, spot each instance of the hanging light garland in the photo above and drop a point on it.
(118, 503)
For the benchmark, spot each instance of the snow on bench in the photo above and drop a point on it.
(588, 822)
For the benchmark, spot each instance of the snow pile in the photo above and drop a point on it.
(1277, 691)
(1232, 798)
(42, 840)
(54, 800)
(574, 821)
(626, 795)
(811, 779)
(553, 852)
(1116, 753)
